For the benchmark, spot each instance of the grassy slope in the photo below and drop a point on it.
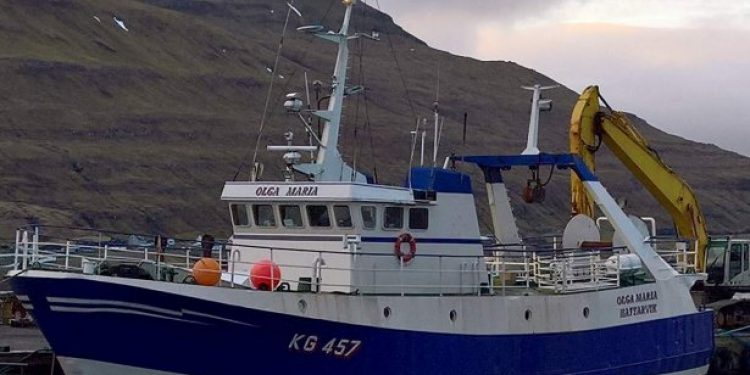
(138, 130)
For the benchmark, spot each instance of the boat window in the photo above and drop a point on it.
(393, 218)
(239, 214)
(418, 218)
(369, 215)
(343, 217)
(318, 216)
(746, 250)
(715, 263)
(291, 216)
(735, 260)
(263, 215)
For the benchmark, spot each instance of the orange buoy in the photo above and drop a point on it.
(206, 271)
(265, 275)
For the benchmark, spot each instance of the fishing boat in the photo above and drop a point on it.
(329, 272)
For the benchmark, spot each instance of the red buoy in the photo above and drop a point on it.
(265, 275)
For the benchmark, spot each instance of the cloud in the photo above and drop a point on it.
(682, 65)
(511, 13)
(496, 10)
(662, 14)
(443, 23)
(684, 81)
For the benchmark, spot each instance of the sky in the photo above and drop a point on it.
(682, 65)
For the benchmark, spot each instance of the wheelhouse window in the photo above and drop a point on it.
(369, 217)
(343, 216)
(291, 216)
(263, 215)
(393, 218)
(239, 214)
(318, 216)
(418, 218)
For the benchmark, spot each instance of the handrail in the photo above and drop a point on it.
(559, 270)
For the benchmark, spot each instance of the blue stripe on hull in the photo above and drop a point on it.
(425, 240)
(258, 342)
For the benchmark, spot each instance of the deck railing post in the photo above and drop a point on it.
(352, 245)
(526, 268)
(25, 243)
(272, 274)
(401, 274)
(35, 245)
(594, 274)
(235, 258)
(221, 256)
(158, 258)
(617, 265)
(317, 273)
(187, 259)
(106, 251)
(477, 281)
(16, 251)
(504, 270)
(67, 254)
(440, 275)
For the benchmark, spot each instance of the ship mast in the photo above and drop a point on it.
(329, 165)
(537, 105)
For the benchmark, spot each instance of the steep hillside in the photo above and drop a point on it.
(138, 129)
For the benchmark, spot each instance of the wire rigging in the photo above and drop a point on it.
(270, 90)
(290, 78)
(356, 151)
(398, 69)
(366, 125)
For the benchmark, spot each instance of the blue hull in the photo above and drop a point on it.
(263, 342)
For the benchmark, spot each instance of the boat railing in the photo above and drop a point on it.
(6, 261)
(681, 254)
(549, 266)
(500, 270)
(576, 270)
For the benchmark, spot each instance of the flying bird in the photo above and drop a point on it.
(120, 23)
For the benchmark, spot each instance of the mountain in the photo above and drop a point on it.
(137, 130)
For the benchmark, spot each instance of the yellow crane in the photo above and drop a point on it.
(591, 125)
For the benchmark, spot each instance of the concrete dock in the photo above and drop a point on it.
(22, 339)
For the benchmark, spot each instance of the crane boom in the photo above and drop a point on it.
(590, 126)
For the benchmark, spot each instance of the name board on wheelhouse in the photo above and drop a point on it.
(287, 191)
